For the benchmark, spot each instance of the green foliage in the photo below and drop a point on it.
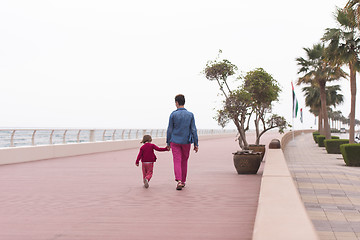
(333, 145)
(320, 140)
(334, 137)
(219, 70)
(351, 154)
(263, 87)
(235, 107)
(255, 96)
(312, 97)
(317, 71)
(315, 134)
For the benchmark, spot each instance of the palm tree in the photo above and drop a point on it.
(317, 72)
(344, 47)
(312, 99)
(337, 117)
(355, 5)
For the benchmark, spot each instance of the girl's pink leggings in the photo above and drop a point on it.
(181, 154)
(147, 169)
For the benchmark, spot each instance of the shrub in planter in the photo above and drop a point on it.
(320, 140)
(334, 130)
(333, 145)
(351, 154)
(315, 134)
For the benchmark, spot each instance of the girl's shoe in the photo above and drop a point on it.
(146, 183)
(179, 186)
(182, 184)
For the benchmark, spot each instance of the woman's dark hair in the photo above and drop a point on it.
(180, 99)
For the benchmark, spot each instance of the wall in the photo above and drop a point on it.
(281, 214)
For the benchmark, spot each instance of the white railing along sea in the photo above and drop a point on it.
(35, 137)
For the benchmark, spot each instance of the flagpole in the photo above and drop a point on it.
(294, 109)
(293, 133)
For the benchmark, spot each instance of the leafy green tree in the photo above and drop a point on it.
(264, 90)
(317, 72)
(237, 103)
(344, 47)
(253, 97)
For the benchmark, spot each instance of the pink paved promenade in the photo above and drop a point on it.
(101, 196)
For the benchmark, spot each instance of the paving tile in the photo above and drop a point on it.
(336, 187)
(344, 235)
(326, 235)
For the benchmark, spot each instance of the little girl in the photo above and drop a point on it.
(147, 157)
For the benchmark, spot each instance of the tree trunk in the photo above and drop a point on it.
(353, 101)
(242, 132)
(241, 145)
(326, 130)
(256, 121)
(320, 121)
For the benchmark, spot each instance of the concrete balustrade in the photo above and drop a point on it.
(281, 214)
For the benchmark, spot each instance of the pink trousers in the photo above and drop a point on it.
(181, 154)
(147, 169)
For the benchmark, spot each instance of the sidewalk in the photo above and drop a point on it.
(329, 189)
(101, 196)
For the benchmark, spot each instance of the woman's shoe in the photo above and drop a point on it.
(179, 186)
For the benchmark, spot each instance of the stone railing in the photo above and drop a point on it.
(10, 155)
(37, 137)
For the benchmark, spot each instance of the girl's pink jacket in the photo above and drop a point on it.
(146, 153)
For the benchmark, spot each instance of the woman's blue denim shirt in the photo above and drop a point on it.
(182, 129)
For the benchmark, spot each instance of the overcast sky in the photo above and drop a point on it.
(119, 64)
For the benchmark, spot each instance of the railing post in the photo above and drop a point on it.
(92, 135)
(33, 138)
(129, 133)
(113, 135)
(78, 136)
(122, 134)
(64, 137)
(104, 135)
(51, 137)
(12, 139)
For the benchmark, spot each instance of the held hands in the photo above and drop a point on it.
(196, 148)
(137, 164)
(168, 148)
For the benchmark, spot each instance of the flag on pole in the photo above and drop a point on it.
(295, 102)
(301, 115)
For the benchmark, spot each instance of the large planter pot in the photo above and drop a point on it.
(258, 148)
(247, 162)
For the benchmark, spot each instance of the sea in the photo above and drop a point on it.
(38, 137)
